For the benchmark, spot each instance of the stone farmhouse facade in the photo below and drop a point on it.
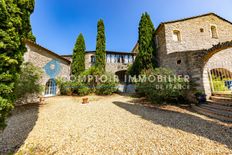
(200, 47)
(116, 63)
(196, 47)
(40, 57)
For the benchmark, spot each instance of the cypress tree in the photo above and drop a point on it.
(145, 57)
(101, 46)
(14, 27)
(78, 63)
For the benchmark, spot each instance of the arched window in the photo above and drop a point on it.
(214, 32)
(176, 36)
(50, 88)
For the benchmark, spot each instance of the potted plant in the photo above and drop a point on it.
(41, 99)
(85, 100)
(201, 97)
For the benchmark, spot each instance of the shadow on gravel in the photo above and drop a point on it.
(19, 125)
(182, 121)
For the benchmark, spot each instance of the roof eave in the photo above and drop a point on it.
(45, 49)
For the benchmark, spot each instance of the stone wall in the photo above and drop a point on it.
(186, 57)
(88, 62)
(115, 67)
(40, 58)
(110, 67)
(192, 39)
(191, 36)
(222, 59)
(161, 46)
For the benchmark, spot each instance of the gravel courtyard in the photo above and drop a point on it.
(112, 125)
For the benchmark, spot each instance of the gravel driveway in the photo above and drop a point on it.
(112, 125)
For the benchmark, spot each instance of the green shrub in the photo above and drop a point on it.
(28, 81)
(5, 108)
(74, 88)
(161, 91)
(92, 71)
(84, 90)
(101, 86)
(106, 89)
(66, 88)
(107, 86)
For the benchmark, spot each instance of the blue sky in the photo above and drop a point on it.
(57, 23)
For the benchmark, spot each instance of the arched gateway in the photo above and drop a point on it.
(211, 70)
(217, 69)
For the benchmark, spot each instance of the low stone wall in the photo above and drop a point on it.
(28, 99)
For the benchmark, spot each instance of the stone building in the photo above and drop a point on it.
(42, 57)
(116, 62)
(200, 47)
(56, 66)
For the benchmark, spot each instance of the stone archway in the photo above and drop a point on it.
(218, 58)
(121, 75)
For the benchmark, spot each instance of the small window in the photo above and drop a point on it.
(93, 59)
(178, 62)
(157, 41)
(214, 32)
(201, 30)
(176, 36)
(118, 59)
(108, 58)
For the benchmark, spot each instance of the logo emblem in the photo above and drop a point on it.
(52, 68)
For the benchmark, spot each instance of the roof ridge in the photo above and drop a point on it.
(51, 52)
(193, 17)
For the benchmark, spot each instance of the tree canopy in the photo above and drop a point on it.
(78, 58)
(145, 57)
(101, 46)
(14, 28)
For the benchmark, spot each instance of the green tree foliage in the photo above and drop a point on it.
(166, 86)
(28, 81)
(145, 58)
(108, 85)
(14, 28)
(78, 64)
(101, 46)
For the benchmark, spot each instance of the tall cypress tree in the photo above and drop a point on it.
(101, 46)
(78, 63)
(145, 57)
(14, 27)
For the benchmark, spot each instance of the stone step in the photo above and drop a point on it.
(223, 94)
(211, 114)
(220, 99)
(221, 112)
(223, 103)
(218, 106)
